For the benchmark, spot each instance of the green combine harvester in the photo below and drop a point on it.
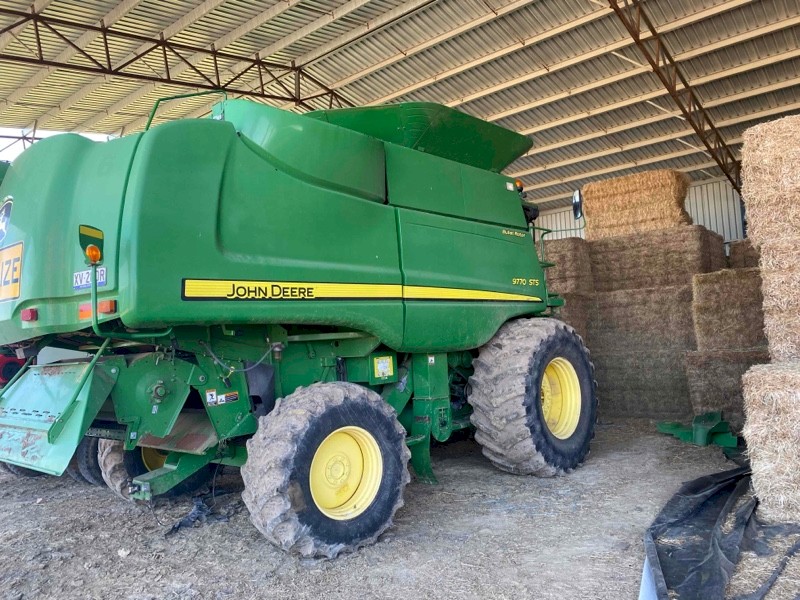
(313, 298)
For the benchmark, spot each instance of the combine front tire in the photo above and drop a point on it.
(120, 467)
(534, 399)
(326, 470)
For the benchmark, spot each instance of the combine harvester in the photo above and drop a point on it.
(313, 298)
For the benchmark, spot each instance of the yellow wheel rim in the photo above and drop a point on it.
(346, 472)
(153, 458)
(561, 398)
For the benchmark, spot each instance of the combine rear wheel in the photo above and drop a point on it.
(119, 468)
(326, 470)
(88, 461)
(73, 471)
(534, 399)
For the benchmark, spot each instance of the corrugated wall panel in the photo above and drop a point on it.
(714, 205)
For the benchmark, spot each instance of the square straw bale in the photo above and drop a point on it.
(572, 273)
(772, 432)
(575, 312)
(743, 254)
(649, 384)
(771, 179)
(664, 257)
(726, 309)
(642, 319)
(635, 203)
(780, 274)
(715, 381)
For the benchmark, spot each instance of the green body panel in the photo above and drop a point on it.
(434, 129)
(433, 184)
(369, 246)
(4, 166)
(56, 185)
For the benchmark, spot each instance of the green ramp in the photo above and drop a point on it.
(45, 413)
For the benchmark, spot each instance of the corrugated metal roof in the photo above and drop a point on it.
(564, 72)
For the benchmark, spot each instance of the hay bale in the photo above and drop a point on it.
(575, 312)
(665, 257)
(643, 383)
(642, 319)
(772, 431)
(635, 203)
(572, 273)
(715, 381)
(743, 255)
(726, 309)
(780, 274)
(771, 179)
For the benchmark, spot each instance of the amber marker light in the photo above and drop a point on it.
(93, 254)
(519, 184)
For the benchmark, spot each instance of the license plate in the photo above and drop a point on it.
(83, 279)
(10, 271)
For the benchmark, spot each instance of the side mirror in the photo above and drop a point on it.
(577, 204)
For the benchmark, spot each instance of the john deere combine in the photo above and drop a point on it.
(314, 298)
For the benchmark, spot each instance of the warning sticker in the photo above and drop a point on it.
(215, 399)
(383, 366)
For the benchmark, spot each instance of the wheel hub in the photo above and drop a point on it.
(561, 398)
(346, 473)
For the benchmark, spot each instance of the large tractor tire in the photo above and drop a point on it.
(88, 461)
(4, 467)
(534, 398)
(120, 467)
(326, 470)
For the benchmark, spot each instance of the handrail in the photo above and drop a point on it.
(178, 97)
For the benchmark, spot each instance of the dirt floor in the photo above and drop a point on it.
(480, 533)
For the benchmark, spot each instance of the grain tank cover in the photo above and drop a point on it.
(434, 129)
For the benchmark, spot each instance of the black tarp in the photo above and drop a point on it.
(693, 545)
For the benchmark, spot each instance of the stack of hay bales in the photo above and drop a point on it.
(771, 176)
(644, 252)
(662, 257)
(729, 327)
(635, 204)
(743, 255)
(571, 277)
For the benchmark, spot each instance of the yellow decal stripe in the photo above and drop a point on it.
(90, 231)
(230, 289)
(414, 292)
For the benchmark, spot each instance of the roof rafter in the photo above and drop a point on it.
(684, 56)
(622, 166)
(650, 141)
(607, 49)
(193, 60)
(743, 68)
(191, 17)
(486, 17)
(539, 37)
(662, 116)
(114, 15)
(7, 37)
